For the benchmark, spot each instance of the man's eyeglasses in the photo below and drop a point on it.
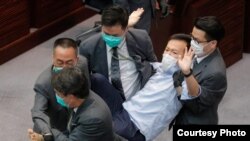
(197, 41)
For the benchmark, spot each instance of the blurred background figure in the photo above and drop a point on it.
(166, 6)
(147, 5)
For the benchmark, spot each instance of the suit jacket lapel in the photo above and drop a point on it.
(197, 70)
(134, 52)
(131, 45)
(88, 101)
(203, 64)
(85, 105)
(101, 58)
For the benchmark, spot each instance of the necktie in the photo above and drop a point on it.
(70, 122)
(115, 72)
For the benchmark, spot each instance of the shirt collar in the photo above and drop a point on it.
(199, 59)
(75, 109)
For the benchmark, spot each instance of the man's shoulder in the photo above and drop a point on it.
(135, 31)
(216, 63)
(138, 35)
(94, 116)
(45, 77)
(98, 101)
(90, 44)
(96, 110)
(82, 60)
(92, 39)
(43, 83)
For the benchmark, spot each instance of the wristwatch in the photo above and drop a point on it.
(48, 137)
(189, 74)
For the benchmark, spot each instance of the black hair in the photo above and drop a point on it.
(113, 15)
(71, 81)
(212, 26)
(65, 43)
(183, 37)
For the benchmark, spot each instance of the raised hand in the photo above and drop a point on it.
(134, 17)
(186, 61)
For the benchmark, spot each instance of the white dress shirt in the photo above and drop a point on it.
(153, 107)
(129, 74)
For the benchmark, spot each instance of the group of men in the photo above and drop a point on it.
(116, 90)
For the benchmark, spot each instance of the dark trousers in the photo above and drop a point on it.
(123, 126)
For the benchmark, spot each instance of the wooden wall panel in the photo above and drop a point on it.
(14, 20)
(45, 11)
(48, 30)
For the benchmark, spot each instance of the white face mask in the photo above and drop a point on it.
(168, 61)
(198, 49)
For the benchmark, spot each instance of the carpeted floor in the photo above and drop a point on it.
(18, 76)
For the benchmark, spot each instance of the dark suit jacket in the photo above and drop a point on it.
(211, 76)
(139, 48)
(46, 112)
(91, 122)
(149, 10)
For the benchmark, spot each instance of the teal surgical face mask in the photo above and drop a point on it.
(57, 69)
(111, 41)
(61, 101)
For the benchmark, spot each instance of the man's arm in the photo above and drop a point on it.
(208, 92)
(149, 49)
(85, 130)
(40, 118)
(185, 66)
(211, 93)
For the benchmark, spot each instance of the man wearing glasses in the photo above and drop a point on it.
(49, 109)
(205, 73)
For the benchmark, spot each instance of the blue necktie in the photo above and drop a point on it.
(115, 73)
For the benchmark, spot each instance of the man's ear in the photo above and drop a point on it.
(77, 58)
(71, 96)
(213, 43)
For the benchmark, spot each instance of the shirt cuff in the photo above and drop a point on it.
(199, 93)
(186, 96)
